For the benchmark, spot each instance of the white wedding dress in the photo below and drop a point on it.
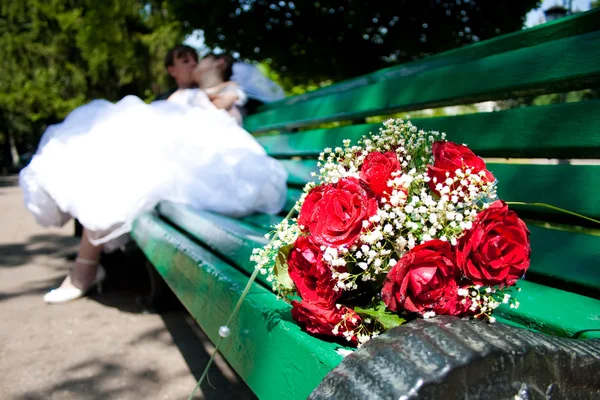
(107, 163)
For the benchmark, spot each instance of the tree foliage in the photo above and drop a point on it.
(312, 41)
(59, 54)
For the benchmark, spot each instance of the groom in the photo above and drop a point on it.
(180, 63)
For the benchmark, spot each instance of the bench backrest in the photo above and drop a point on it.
(545, 154)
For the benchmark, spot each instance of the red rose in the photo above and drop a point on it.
(334, 213)
(311, 274)
(324, 321)
(495, 251)
(377, 170)
(424, 280)
(448, 157)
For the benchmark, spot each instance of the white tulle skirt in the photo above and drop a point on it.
(107, 163)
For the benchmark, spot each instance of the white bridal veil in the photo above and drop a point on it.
(255, 84)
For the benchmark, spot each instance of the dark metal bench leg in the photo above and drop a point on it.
(161, 298)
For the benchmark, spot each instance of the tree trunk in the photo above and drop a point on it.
(14, 154)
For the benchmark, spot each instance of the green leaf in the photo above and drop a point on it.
(381, 314)
(281, 267)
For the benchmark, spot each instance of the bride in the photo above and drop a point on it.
(107, 163)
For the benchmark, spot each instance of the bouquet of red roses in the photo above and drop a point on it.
(403, 224)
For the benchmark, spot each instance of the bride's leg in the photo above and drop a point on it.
(86, 264)
(85, 273)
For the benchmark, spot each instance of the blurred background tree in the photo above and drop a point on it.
(59, 54)
(314, 41)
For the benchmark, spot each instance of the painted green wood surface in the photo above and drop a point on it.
(275, 358)
(567, 260)
(293, 195)
(565, 27)
(554, 311)
(231, 238)
(544, 68)
(262, 220)
(555, 131)
(573, 187)
(569, 257)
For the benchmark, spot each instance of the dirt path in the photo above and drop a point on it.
(100, 347)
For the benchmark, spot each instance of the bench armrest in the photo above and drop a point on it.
(446, 357)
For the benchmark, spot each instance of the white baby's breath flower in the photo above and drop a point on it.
(411, 242)
(342, 352)
(428, 314)
(375, 218)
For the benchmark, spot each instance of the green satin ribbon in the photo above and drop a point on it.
(544, 205)
(231, 317)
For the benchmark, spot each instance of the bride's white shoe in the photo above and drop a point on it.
(62, 295)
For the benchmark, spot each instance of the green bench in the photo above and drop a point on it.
(204, 258)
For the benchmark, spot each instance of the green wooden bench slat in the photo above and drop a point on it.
(312, 142)
(573, 187)
(299, 171)
(554, 311)
(293, 195)
(565, 259)
(567, 256)
(265, 347)
(565, 27)
(233, 239)
(531, 132)
(569, 63)
(264, 221)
